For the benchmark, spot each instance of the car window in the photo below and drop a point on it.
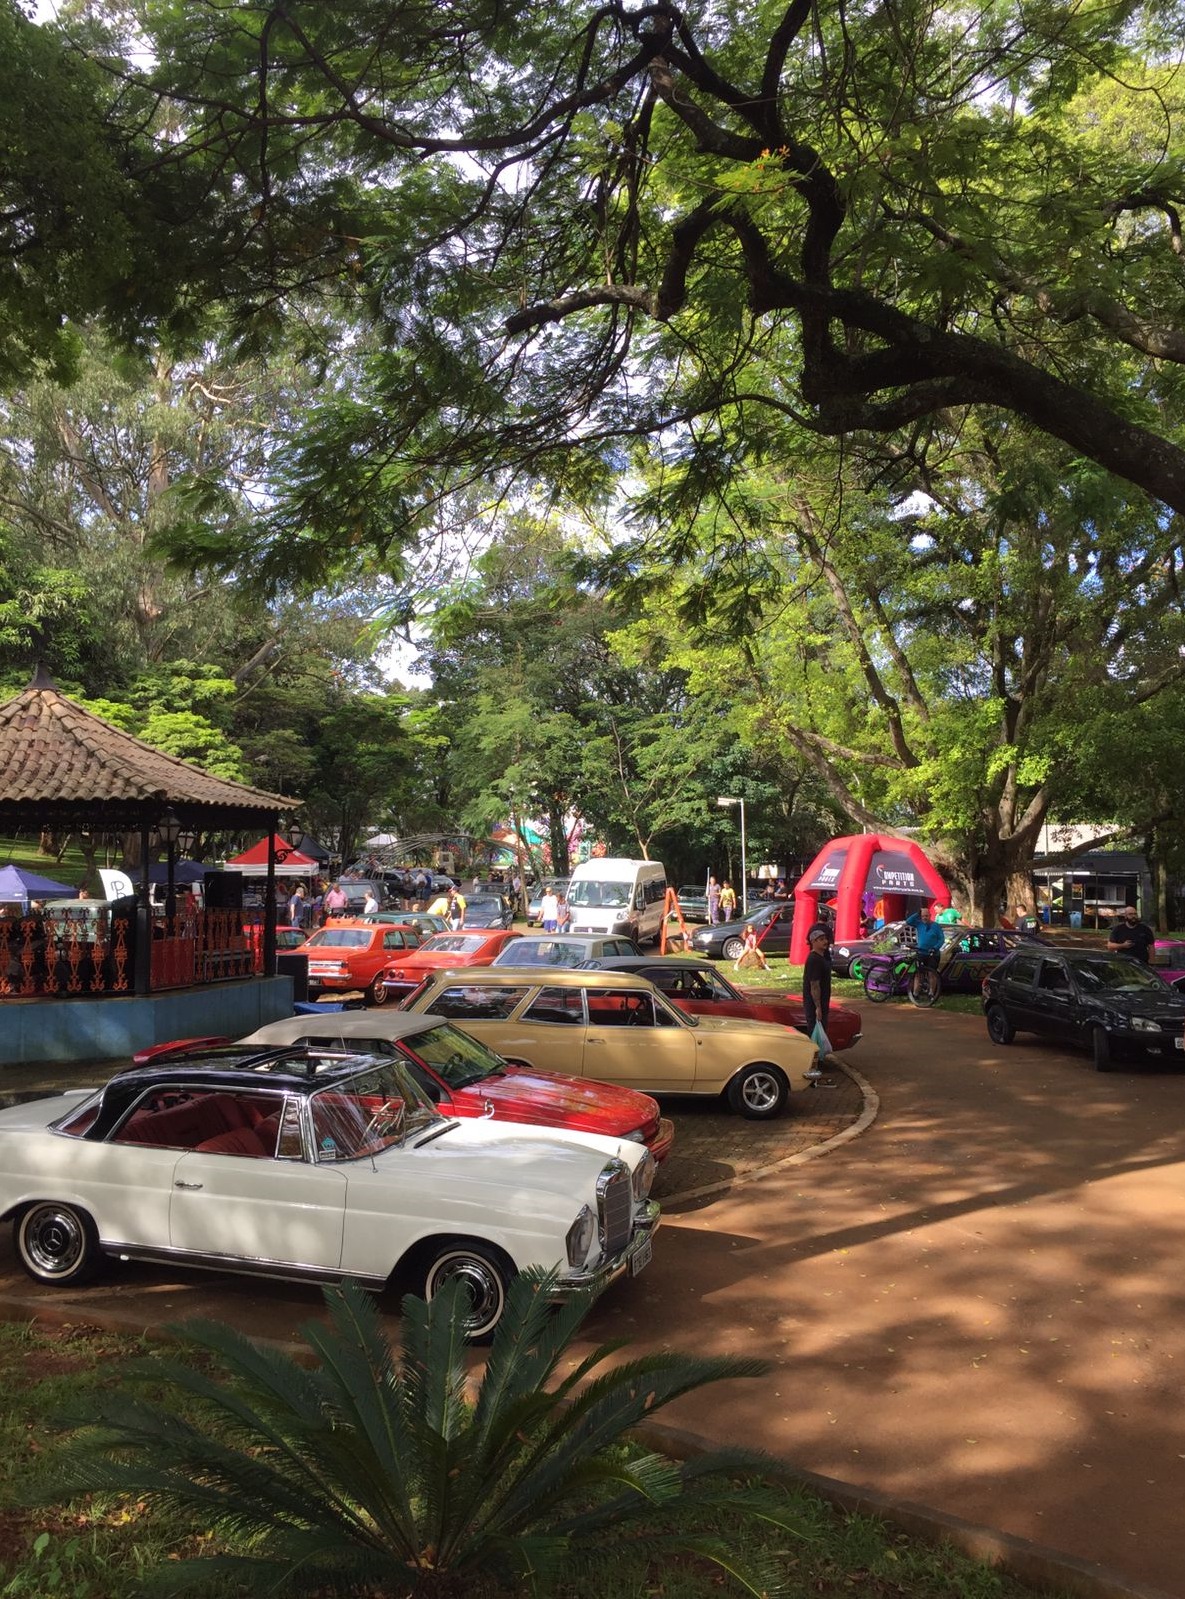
(618, 946)
(547, 952)
(368, 1113)
(454, 943)
(1114, 976)
(455, 1056)
(1021, 969)
(668, 980)
(341, 938)
(212, 1121)
(609, 1007)
(474, 1002)
(393, 941)
(1054, 978)
(290, 1141)
(560, 1005)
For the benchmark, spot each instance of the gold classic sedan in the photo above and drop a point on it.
(620, 1029)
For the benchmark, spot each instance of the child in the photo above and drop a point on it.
(751, 955)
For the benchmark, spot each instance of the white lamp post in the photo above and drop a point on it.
(727, 800)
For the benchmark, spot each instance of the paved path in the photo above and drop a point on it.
(978, 1305)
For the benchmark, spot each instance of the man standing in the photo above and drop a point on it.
(816, 985)
(296, 907)
(336, 901)
(713, 901)
(930, 940)
(1131, 936)
(549, 910)
(370, 905)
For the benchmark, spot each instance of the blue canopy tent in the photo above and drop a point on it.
(184, 872)
(16, 884)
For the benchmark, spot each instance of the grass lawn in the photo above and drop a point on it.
(70, 869)
(97, 1548)
(782, 975)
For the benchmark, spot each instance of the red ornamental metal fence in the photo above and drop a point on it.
(88, 952)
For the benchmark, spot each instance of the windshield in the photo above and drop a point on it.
(543, 952)
(451, 943)
(369, 1113)
(1116, 977)
(456, 1057)
(341, 938)
(594, 891)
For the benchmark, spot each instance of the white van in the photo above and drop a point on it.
(618, 896)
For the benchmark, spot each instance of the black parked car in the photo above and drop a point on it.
(774, 924)
(1111, 1003)
(488, 910)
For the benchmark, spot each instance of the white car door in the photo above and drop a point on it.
(280, 1209)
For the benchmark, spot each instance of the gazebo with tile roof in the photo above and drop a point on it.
(63, 767)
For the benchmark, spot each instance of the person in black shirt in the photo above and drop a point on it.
(1131, 936)
(816, 980)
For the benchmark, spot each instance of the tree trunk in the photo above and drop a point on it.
(1018, 891)
(558, 834)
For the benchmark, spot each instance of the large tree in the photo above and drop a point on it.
(1006, 652)
(601, 221)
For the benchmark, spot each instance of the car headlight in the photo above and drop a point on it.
(643, 1180)
(843, 950)
(1141, 1024)
(580, 1236)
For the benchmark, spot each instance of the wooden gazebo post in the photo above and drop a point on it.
(269, 901)
(142, 974)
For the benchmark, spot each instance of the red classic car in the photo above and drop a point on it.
(470, 947)
(696, 986)
(351, 953)
(464, 1078)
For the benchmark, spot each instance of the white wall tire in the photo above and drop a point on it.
(486, 1273)
(56, 1244)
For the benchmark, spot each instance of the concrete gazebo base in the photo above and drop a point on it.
(110, 1029)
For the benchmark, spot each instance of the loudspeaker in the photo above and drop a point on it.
(291, 963)
(224, 891)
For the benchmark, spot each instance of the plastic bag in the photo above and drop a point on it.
(820, 1040)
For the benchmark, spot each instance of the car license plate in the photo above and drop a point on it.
(1179, 1043)
(641, 1258)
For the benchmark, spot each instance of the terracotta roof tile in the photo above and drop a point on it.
(55, 753)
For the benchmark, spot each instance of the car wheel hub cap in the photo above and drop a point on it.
(480, 1287)
(53, 1241)
(761, 1093)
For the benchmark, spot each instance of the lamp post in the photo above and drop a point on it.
(169, 831)
(728, 801)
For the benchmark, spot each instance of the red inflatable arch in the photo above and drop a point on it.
(896, 870)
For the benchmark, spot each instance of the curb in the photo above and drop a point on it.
(1037, 1565)
(863, 1122)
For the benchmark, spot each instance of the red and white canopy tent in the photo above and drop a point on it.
(896, 870)
(289, 862)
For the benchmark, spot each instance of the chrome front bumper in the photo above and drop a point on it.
(608, 1271)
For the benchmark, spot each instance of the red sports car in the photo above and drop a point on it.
(696, 986)
(464, 1078)
(470, 947)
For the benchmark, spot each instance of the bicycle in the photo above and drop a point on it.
(900, 973)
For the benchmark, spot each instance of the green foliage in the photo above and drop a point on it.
(372, 1468)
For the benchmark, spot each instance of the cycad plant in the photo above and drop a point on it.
(372, 1472)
